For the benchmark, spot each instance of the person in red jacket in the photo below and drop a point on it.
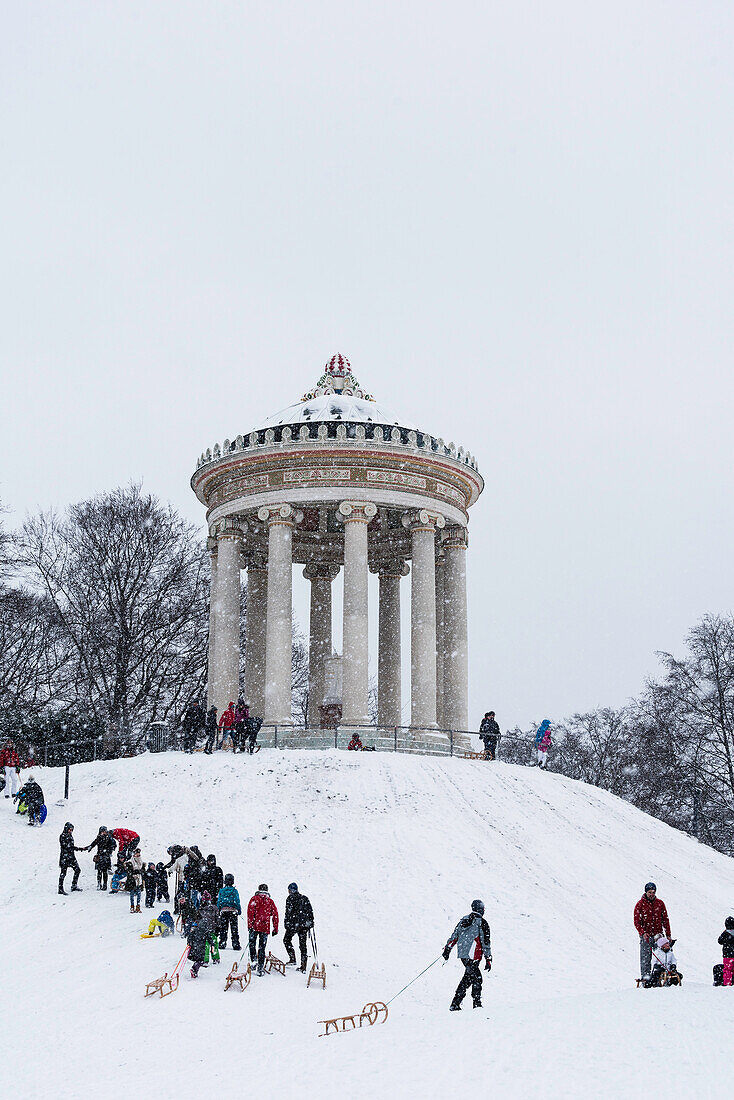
(261, 910)
(226, 724)
(127, 841)
(651, 918)
(10, 761)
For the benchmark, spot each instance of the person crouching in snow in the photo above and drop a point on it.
(726, 939)
(472, 940)
(198, 950)
(355, 745)
(543, 742)
(163, 923)
(32, 795)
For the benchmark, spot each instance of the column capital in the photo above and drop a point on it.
(357, 511)
(423, 520)
(395, 568)
(455, 538)
(230, 528)
(283, 515)
(317, 570)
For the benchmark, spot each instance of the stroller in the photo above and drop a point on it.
(665, 969)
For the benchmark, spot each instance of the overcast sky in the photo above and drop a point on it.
(516, 221)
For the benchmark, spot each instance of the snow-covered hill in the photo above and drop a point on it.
(391, 851)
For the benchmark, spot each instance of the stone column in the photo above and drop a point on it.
(226, 684)
(321, 576)
(257, 614)
(456, 656)
(356, 516)
(423, 527)
(440, 642)
(389, 671)
(278, 630)
(211, 545)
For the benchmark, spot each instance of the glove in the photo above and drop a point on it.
(488, 964)
(446, 952)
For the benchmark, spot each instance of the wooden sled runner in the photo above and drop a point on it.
(272, 963)
(317, 974)
(241, 976)
(372, 1013)
(167, 985)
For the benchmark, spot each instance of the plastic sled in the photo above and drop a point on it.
(42, 814)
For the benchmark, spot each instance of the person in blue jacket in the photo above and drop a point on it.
(543, 742)
(228, 904)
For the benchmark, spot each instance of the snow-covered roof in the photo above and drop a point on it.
(334, 406)
(336, 396)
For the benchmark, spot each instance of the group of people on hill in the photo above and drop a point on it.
(489, 733)
(235, 725)
(657, 961)
(205, 899)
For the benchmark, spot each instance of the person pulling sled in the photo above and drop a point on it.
(472, 939)
(651, 919)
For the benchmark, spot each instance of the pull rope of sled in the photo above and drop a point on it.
(415, 979)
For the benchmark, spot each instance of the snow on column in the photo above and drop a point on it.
(321, 577)
(356, 516)
(211, 545)
(389, 673)
(227, 625)
(423, 526)
(278, 631)
(439, 638)
(456, 664)
(257, 613)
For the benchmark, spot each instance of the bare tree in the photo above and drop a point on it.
(127, 579)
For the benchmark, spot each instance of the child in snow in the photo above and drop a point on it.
(662, 953)
(198, 948)
(149, 880)
(161, 883)
(209, 917)
(135, 880)
(230, 909)
(188, 911)
(726, 939)
(543, 742)
(164, 924)
(355, 745)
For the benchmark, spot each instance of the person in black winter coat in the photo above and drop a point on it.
(196, 939)
(212, 878)
(149, 881)
(298, 920)
(726, 939)
(211, 729)
(105, 844)
(193, 872)
(489, 732)
(67, 858)
(193, 726)
(161, 883)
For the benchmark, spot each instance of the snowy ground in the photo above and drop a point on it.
(391, 850)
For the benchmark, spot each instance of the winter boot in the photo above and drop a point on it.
(76, 890)
(62, 891)
(137, 908)
(454, 1008)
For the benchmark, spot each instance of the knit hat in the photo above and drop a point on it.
(292, 888)
(478, 907)
(650, 886)
(729, 922)
(206, 897)
(263, 887)
(229, 880)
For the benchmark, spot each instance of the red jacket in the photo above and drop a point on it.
(9, 759)
(227, 718)
(124, 836)
(651, 917)
(355, 744)
(260, 911)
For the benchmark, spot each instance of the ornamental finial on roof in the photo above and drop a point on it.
(338, 378)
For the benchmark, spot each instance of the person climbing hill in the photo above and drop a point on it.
(543, 742)
(472, 939)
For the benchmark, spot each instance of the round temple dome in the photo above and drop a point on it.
(336, 396)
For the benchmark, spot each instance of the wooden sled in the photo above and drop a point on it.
(665, 979)
(271, 963)
(372, 1013)
(241, 976)
(318, 974)
(167, 985)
